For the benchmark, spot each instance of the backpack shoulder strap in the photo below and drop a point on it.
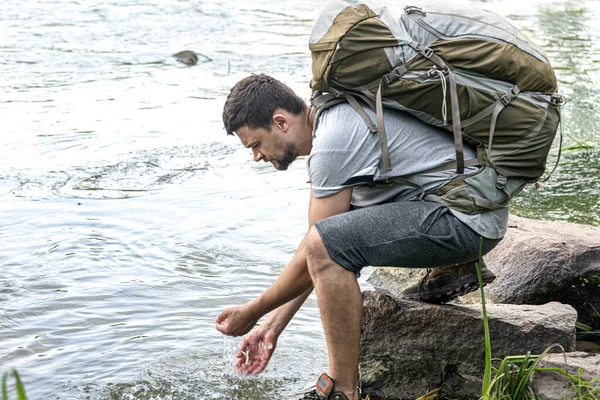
(320, 102)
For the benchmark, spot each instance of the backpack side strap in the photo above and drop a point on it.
(456, 126)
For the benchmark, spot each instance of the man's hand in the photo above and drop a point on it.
(236, 321)
(256, 350)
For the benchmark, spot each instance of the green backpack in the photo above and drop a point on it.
(457, 67)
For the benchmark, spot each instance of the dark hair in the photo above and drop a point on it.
(253, 100)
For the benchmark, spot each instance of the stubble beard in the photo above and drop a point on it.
(289, 156)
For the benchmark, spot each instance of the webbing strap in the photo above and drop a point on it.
(318, 100)
(500, 104)
(367, 100)
(511, 94)
(372, 127)
(487, 204)
(385, 80)
(385, 152)
(388, 78)
(456, 127)
(452, 165)
(399, 179)
(479, 116)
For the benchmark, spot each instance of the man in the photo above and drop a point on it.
(353, 223)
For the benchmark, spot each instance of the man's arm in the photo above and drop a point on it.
(318, 209)
(294, 281)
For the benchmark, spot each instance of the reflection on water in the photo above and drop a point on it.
(569, 33)
(129, 219)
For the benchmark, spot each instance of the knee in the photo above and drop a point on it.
(317, 255)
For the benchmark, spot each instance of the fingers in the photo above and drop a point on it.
(252, 367)
(222, 322)
(222, 317)
(253, 359)
(243, 347)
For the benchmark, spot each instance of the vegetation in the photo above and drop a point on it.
(18, 384)
(510, 381)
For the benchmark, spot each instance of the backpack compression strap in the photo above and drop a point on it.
(456, 126)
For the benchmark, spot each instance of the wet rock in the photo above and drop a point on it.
(187, 57)
(549, 385)
(536, 263)
(408, 348)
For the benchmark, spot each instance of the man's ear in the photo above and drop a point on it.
(281, 120)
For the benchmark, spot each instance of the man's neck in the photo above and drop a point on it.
(307, 137)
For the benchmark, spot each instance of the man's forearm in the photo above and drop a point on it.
(279, 318)
(293, 282)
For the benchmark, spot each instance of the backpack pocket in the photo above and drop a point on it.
(477, 192)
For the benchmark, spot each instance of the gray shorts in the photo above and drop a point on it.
(413, 234)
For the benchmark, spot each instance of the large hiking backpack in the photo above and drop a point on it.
(457, 67)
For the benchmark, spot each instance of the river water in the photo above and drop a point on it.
(129, 220)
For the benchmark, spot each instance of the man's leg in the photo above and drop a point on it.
(340, 303)
(414, 234)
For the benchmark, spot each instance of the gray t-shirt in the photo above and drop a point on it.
(346, 153)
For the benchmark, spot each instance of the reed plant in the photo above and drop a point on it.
(511, 379)
(18, 383)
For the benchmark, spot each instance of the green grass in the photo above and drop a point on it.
(18, 383)
(511, 379)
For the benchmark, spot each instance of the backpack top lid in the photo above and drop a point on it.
(354, 42)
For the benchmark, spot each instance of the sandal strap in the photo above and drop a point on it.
(325, 387)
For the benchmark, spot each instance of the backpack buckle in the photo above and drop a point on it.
(414, 9)
(501, 182)
(337, 93)
(507, 97)
(558, 99)
(427, 52)
(394, 74)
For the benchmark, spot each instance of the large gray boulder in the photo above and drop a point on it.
(549, 385)
(536, 263)
(409, 347)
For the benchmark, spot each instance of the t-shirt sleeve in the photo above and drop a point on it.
(343, 152)
(330, 171)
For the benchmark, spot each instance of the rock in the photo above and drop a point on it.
(536, 263)
(589, 347)
(549, 385)
(407, 346)
(186, 57)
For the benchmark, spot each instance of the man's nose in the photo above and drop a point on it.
(257, 155)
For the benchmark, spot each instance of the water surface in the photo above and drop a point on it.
(129, 219)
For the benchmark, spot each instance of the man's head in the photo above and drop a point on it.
(269, 118)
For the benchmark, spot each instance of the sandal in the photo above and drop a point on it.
(325, 388)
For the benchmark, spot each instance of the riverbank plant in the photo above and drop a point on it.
(18, 385)
(511, 379)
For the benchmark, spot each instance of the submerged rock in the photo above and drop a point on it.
(187, 57)
(409, 348)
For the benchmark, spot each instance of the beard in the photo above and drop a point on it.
(290, 154)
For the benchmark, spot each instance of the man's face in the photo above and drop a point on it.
(269, 146)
